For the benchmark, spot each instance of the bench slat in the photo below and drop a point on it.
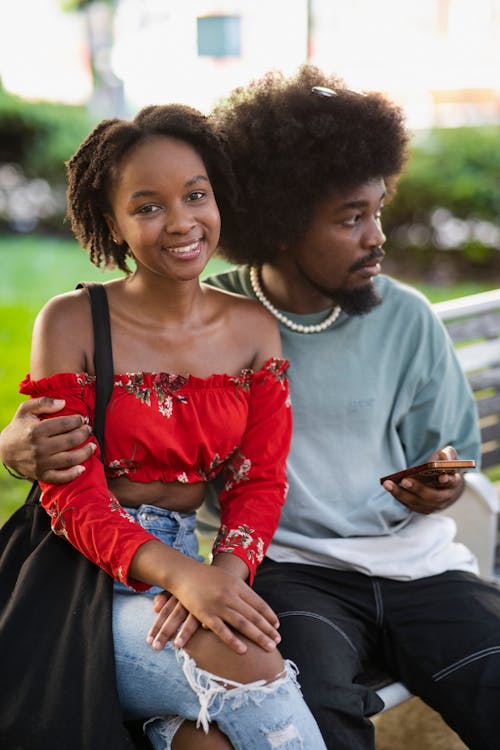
(488, 405)
(490, 432)
(472, 304)
(479, 355)
(486, 326)
(486, 379)
(490, 459)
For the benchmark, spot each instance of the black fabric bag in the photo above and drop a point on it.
(57, 671)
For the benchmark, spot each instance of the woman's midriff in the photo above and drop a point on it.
(184, 498)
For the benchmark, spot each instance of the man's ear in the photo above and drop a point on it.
(113, 228)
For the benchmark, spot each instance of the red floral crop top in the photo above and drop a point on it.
(171, 427)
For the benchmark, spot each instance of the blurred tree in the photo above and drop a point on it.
(453, 167)
(107, 99)
(445, 217)
(36, 138)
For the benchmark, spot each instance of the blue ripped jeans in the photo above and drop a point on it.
(167, 687)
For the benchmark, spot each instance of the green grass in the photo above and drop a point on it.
(34, 269)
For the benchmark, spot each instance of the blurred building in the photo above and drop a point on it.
(197, 51)
(439, 58)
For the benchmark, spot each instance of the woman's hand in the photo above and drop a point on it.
(174, 619)
(219, 600)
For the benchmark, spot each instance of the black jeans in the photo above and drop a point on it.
(439, 635)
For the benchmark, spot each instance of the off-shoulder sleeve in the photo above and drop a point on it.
(84, 511)
(255, 476)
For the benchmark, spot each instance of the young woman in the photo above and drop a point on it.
(196, 394)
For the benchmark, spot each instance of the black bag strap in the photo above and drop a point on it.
(103, 364)
(103, 354)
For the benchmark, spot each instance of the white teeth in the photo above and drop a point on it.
(184, 250)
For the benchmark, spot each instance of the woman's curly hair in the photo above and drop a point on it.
(291, 147)
(95, 165)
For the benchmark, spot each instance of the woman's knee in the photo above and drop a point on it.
(212, 655)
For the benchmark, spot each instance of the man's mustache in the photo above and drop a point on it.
(376, 254)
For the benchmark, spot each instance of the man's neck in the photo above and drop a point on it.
(287, 290)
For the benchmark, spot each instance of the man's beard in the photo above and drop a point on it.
(357, 301)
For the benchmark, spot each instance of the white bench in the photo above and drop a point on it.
(473, 323)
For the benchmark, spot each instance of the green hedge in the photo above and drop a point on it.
(447, 208)
(457, 168)
(36, 138)
(40, 136)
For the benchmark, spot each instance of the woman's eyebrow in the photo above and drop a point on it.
(198, 177)
(146, 192)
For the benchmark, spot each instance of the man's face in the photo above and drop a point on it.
(341, 251)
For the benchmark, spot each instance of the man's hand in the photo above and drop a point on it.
(44, 449)
(424, 498)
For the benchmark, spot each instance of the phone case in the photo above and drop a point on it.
(430, 469)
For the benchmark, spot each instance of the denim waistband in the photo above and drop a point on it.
(170, 527)
(152, 517)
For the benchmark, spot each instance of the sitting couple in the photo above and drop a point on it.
(299, 170)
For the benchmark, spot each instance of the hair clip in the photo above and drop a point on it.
(323, 91)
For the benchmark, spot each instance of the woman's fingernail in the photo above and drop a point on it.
(157, 645)
(149, 640)
(406, 484)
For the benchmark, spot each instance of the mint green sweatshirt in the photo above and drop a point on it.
(370, 395)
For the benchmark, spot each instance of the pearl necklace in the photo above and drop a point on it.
(298, 327)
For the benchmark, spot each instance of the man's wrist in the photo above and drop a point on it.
(13, 473)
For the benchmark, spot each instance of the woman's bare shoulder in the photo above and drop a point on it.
(62, 335)
(250, 309)
(251, 323)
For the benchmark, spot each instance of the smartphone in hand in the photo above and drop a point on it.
(429, 472)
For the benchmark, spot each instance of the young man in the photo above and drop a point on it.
(357, 571)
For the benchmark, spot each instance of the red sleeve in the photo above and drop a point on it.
(84, 511)
(255, 476)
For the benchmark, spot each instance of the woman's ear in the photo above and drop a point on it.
(113, 229)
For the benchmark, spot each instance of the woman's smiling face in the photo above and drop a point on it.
(163, 206)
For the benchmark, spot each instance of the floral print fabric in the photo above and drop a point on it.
(170, 427)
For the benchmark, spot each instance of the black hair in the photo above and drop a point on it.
(290, 147)
(93, 167)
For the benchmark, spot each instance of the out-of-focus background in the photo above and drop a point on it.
(65, 64)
